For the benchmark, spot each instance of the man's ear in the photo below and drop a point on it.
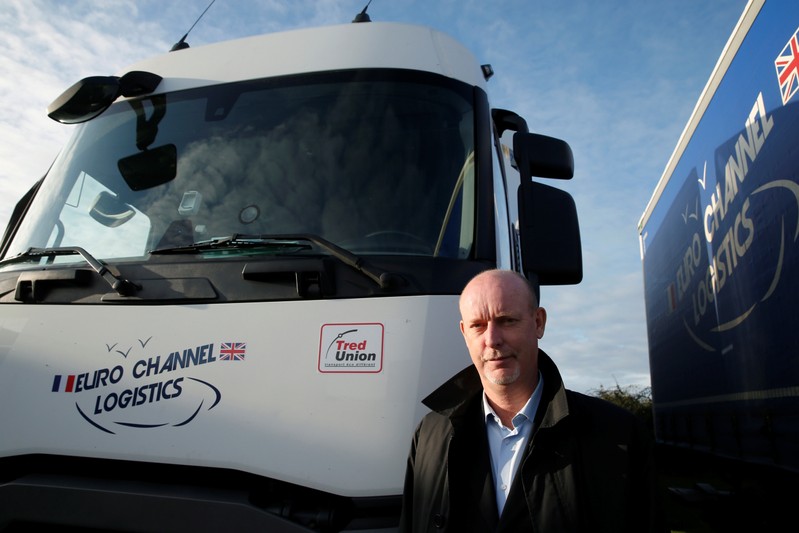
(540, 322)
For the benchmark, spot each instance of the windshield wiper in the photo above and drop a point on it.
(384, 279)
(235, 241)
(122, 286)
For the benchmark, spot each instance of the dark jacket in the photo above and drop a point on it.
(588, 466)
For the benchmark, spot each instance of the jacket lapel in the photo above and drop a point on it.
(470, 473)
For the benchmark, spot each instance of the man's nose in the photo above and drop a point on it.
(493, 335)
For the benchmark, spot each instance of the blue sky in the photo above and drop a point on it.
(617, 79)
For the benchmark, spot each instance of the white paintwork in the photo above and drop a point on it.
(365, 45)
(278, 415)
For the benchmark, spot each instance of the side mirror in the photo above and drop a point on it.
(549, 234)
(542, 156)
(548, 227)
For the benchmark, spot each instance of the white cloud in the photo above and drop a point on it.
(53, 45)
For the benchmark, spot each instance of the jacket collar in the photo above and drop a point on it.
(451, 398)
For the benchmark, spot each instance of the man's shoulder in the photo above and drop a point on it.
(434, 418)
(597, 409)
(604, 427)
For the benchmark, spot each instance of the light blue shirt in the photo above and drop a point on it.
(507, 445)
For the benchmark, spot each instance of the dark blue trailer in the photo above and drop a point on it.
(720, 251)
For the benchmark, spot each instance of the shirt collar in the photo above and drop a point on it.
(529, 409)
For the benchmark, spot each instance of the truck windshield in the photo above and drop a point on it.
(376, 161)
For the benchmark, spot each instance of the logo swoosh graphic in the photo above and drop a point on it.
(217, 399)
(793, 187)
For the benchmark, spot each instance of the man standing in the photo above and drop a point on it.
(508, 448)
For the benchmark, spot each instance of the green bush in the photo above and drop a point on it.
(636, 399)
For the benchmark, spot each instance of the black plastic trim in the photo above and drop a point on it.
(68, 493)
(169, 280)
(17, 215)
(485, 247)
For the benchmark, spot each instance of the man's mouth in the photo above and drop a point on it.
(495, 359)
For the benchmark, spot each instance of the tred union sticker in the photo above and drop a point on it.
(351, 348)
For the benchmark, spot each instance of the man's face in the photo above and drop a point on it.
(501, 329)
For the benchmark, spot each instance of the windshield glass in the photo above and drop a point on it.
(378, 162)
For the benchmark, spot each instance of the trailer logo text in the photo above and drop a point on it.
(727, 229)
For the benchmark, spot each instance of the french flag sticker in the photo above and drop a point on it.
(63, 383)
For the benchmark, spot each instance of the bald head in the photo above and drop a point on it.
(509, 279)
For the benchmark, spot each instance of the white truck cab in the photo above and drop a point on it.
(222, 305)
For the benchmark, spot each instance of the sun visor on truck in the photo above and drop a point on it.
(91, 96)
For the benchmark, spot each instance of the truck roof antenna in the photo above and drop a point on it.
(363, 16)
(182, 44)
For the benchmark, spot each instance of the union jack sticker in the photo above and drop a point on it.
(787, 65)
(233, 351)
